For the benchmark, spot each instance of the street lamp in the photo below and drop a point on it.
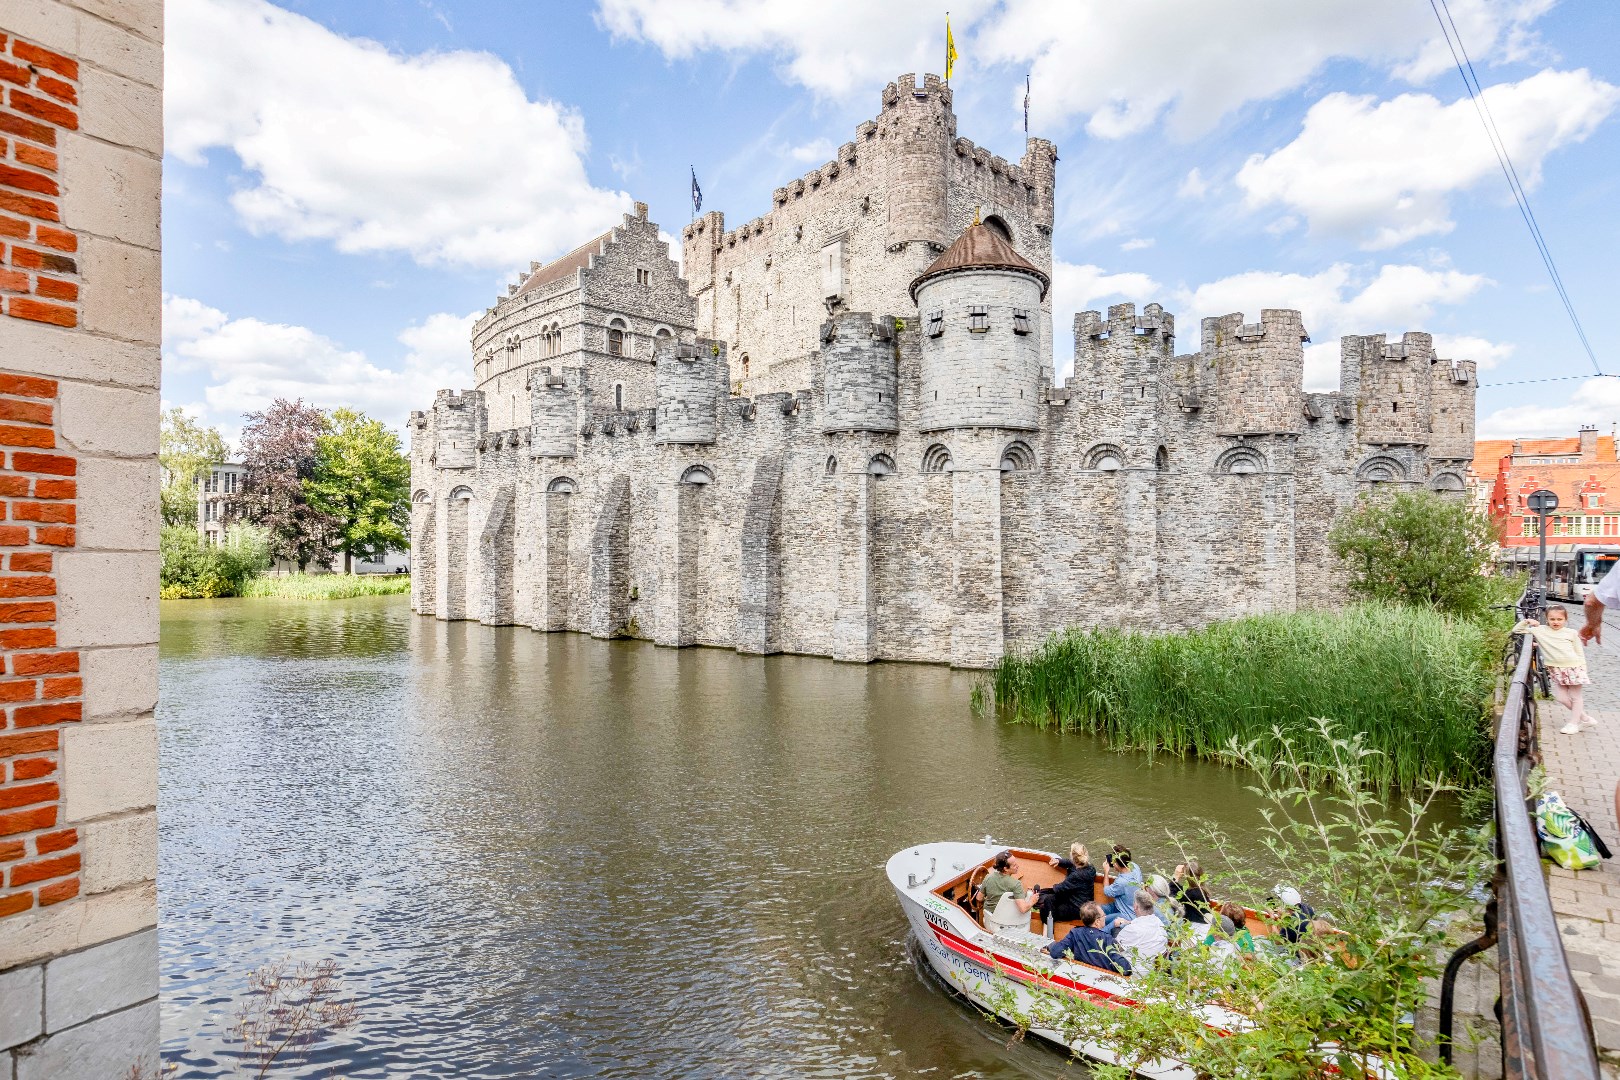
(1542, 503)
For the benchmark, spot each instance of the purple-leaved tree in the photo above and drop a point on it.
(278, 449)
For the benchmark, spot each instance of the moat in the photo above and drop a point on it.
(547, 855)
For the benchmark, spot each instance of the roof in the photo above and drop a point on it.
(564, 265)
(980, 248)
(1488, 454)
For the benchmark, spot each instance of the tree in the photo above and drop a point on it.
(1418, 548)
(187, 451)
(279, 456)
(363, 482)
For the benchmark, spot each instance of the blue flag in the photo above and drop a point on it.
(697, 194)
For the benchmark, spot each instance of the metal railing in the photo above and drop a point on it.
(1546, 1033)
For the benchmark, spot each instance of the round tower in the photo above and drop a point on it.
(982, 354)
(690, 381)
(918, 127)
(1259, 372)
(860, 373)
(553, 418)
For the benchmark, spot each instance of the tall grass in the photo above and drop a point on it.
(1416, 684)
(325, 586)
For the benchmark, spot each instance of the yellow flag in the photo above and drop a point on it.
(950, 49)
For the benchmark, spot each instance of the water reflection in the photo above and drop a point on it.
(544, 855)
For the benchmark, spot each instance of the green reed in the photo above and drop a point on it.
(1414, 683)
(325, 586)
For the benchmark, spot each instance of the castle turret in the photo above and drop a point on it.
(1040, 169)
(458, 424)
(1117, 364)
(918, 125)
(553, 411)
(691, 380)
(860, 373)
(1258, 371)
(1451, 424)
(982, 354)
(1393, 386)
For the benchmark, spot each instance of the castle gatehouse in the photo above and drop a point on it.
(839, 434)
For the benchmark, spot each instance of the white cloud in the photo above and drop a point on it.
(1194, 186)
(440, 155)
(1595, 401)
(813, 152)
(1077, 287)
(1383, 172)
(1137, 244)
(246, 363)
(1485, 354)
(1341, 300)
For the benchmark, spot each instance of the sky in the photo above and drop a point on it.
(348, 183)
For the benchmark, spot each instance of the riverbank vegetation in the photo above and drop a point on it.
(1410, 671)
(325, 586)
(1393, 891)
(192, 570)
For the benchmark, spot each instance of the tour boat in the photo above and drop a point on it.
(935, 882)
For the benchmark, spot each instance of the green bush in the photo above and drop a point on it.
(192, 570)
(326, 586)
(1417, 547)
(1414, 684)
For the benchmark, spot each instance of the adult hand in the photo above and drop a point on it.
(1592, 632)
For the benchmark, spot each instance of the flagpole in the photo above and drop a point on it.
(947, 47)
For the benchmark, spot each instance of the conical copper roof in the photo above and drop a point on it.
(980, 248)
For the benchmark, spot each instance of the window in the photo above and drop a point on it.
(1594, 499)
(211, 510)
(643, 277)
(978, 319)
(1018, 457)
(1021, 322)
(230, 483)
(936, 459)
(936, 324)
(745, 365)
(211, 485)
(1611, 526)
(616, 338)
(1530, 526)
(618, 396)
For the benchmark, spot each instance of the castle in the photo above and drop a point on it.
(838, 433)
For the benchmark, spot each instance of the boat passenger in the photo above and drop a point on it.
(1089, 943)
(1295, 916)
(1127, 880)
(1143, 939)
(1232, 928)
(1188, 886)
(1002, 881)
(1062, 901)
(1166, 909)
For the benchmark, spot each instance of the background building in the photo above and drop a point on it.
(224, 482)
(1582, 471)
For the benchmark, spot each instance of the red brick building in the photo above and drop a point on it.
(1583, 472)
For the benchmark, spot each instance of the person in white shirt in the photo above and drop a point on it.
(1606, 593)
(1143, 939)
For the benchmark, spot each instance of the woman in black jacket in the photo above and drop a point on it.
(1188, 889)
(1061, 902)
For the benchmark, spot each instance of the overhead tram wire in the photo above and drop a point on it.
(1476, 94)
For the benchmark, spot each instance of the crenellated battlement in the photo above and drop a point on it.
(1154, 323)
(691, 381)
(860, 373)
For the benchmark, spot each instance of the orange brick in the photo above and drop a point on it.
(32, 585)
(52, 289)
(42, 663)
(64, 687)
(32, 768)
(53, 535)
(19, 690)
(40, 715)
(51, 112)
(34, 562)
(28, 386)
(55, 512)
(24, 180)
(21, 436)
(13, 281)
(13, 535)
(58, 89)
(10, 226)
(40, 260)
(30, 820)
(21, 126)
(54, 489)
(29, 742)
(56, 841)
(36, 611)
(27, 412)
(28, 206)
(13, 486)
(58, 891)
(10, 905)
(33, 54)
(42, 870)
(33, 155)
(29, 794)
(60, 239)
(20, 307)
(15, 73)
(12, 850)
(32, 637)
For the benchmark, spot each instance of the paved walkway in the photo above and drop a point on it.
(1584, 769)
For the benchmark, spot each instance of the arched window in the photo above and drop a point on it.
(618, 396)
(1018, 457)
(1104, 457)
(420, 497)
(880, 465)
(996, 225)
(832, 465)
(745, 365)
(1161, 460)
(1238, 460)
(1381, 469)
(616, 330)
(563, 485)
(461, 494)
(699, 475)
(556, 338)
(936, 459)
(1448, 482)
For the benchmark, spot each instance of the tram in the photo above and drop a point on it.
(1571, 571)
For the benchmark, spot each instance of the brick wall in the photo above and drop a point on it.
(38, 270)
(40, 688)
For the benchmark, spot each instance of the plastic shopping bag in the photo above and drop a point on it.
(1564, 837)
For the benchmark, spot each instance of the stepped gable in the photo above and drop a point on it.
(980, 248)
(561, 267)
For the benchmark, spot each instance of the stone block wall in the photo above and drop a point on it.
(80, 167)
